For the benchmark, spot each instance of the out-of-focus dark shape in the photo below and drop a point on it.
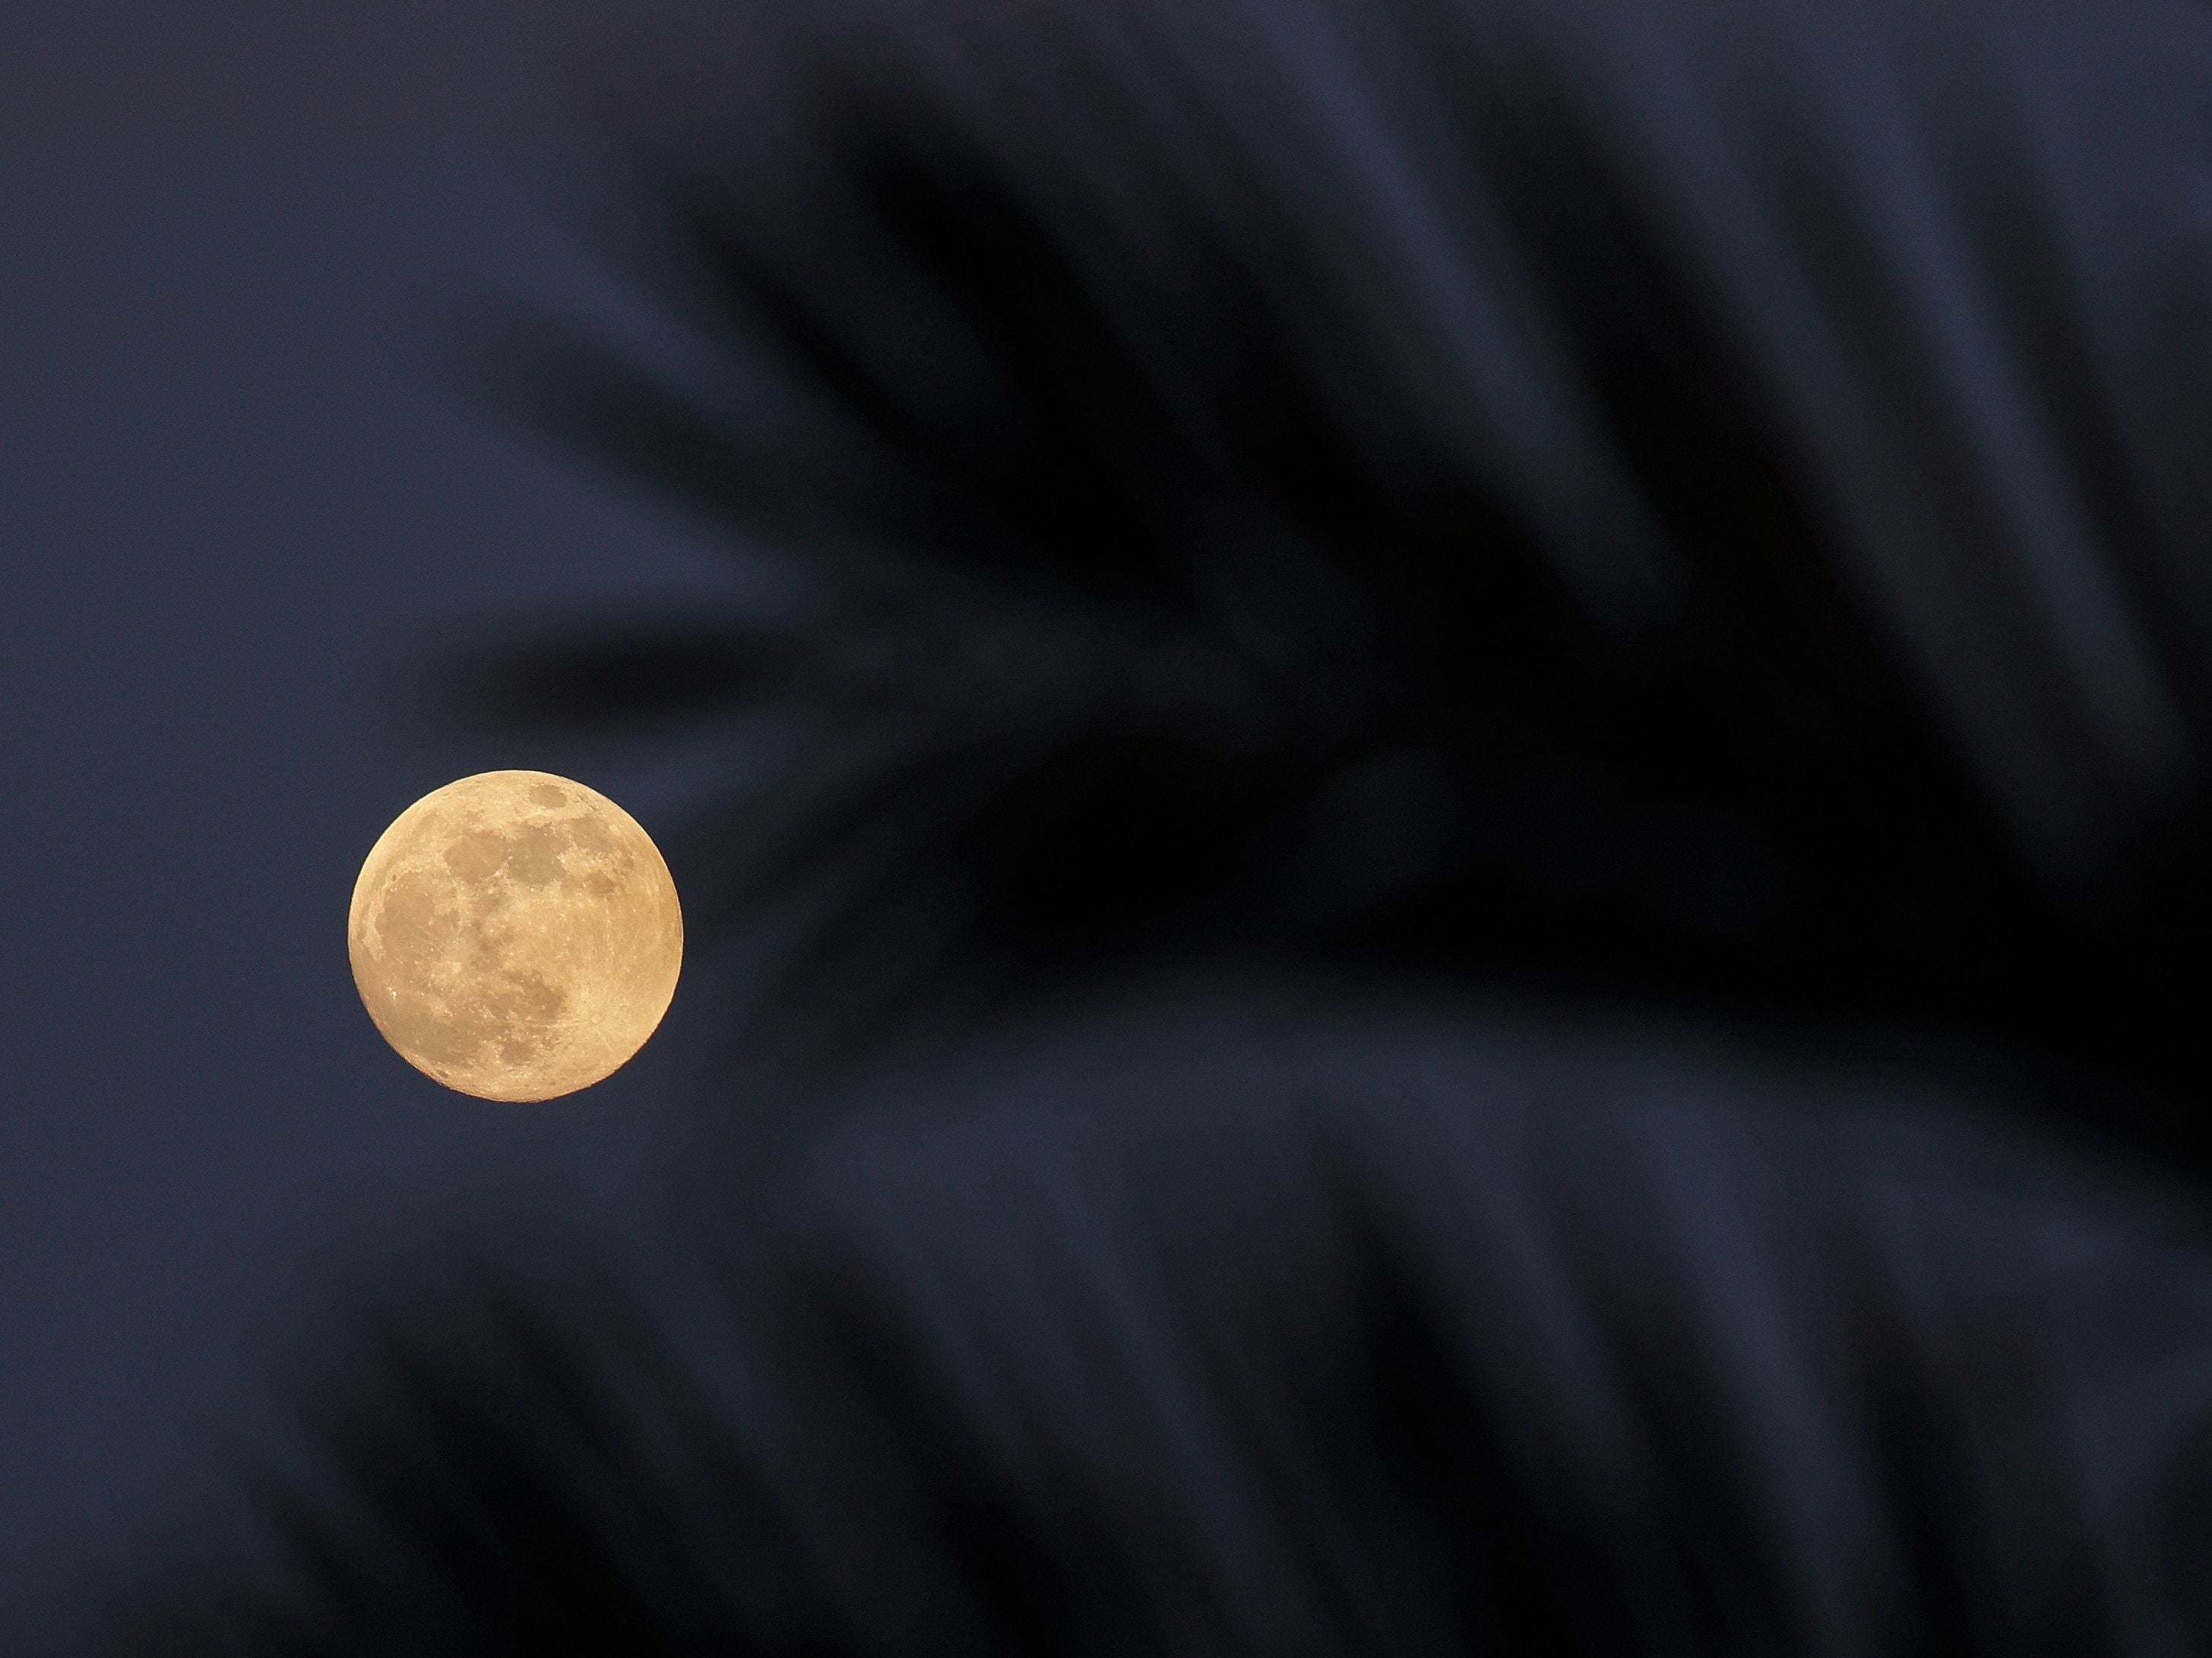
(1701, 502)
(1286, 1327)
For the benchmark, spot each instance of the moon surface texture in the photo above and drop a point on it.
(515, 935)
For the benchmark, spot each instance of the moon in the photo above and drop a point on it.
(515, 936)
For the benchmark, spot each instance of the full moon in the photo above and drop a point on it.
(515, 936)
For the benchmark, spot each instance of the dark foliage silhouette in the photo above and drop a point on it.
(1276, 1324)
(1204, 545)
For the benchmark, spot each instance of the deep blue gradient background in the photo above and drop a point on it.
(241, 512)
(251, 517)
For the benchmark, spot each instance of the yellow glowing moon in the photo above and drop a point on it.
(515, 935)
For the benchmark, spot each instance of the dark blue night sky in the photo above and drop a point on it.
(245, 516)
(1440, 774)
